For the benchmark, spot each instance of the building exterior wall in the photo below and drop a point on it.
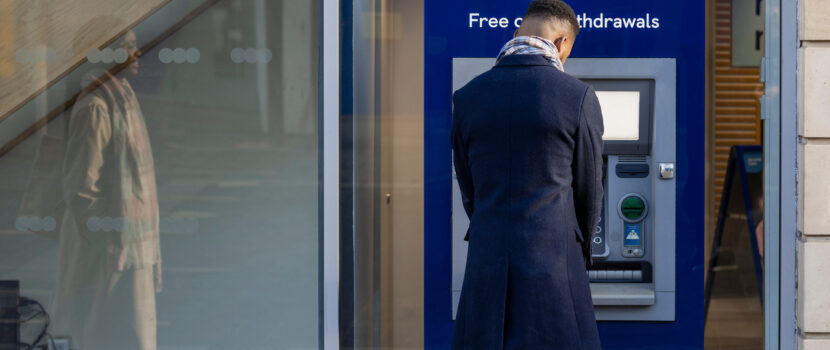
(813, 179)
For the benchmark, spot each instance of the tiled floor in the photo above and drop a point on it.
(735, 324)
(735, 319)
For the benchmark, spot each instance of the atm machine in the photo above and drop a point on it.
(633, 248)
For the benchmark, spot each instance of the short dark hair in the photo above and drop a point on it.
(553, 9)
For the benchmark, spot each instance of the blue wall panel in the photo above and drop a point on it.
(680, 35)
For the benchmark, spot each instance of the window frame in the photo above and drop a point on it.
(329, 172)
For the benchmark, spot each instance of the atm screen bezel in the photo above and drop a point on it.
(642, 146)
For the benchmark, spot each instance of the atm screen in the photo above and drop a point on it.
(620, 114)
(626, 114)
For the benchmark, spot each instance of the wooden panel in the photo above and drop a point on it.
(736, 119)
(6, 36)
(51, 29)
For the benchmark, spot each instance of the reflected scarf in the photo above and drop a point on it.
(532, 45)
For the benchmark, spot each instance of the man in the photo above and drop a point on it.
(109, 254)
(527, 141)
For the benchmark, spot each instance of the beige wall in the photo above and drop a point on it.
(402, 174)
(814, 175)
(49, 28)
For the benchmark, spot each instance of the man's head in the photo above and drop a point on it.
(127, 41)
(553, 20)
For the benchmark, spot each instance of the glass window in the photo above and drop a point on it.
(159, 172)
(735, 232)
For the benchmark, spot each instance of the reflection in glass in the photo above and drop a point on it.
(187, 152)
(109, 258)
(735, 317)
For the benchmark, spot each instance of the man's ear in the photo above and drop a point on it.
(515, 33)
(558, 43)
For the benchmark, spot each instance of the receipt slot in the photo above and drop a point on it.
(633, 247)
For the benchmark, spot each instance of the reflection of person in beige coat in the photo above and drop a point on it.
(109, 255)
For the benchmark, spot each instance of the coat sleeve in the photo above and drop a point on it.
(89, 134)
(462, 168)
(587, 169)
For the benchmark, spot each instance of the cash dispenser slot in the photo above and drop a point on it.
(621, 272)
(622, 294)
(632, 171)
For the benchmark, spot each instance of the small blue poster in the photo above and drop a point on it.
(633, 234)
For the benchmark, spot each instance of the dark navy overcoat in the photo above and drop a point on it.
(527, 148)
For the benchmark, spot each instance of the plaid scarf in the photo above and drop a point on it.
(532, 45)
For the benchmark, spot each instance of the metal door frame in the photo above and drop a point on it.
(780, 115)
(329, 172)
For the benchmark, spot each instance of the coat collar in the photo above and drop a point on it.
(523, 60)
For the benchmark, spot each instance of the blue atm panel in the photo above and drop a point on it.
(662, 307)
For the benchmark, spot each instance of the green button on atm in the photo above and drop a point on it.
(633, 210)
